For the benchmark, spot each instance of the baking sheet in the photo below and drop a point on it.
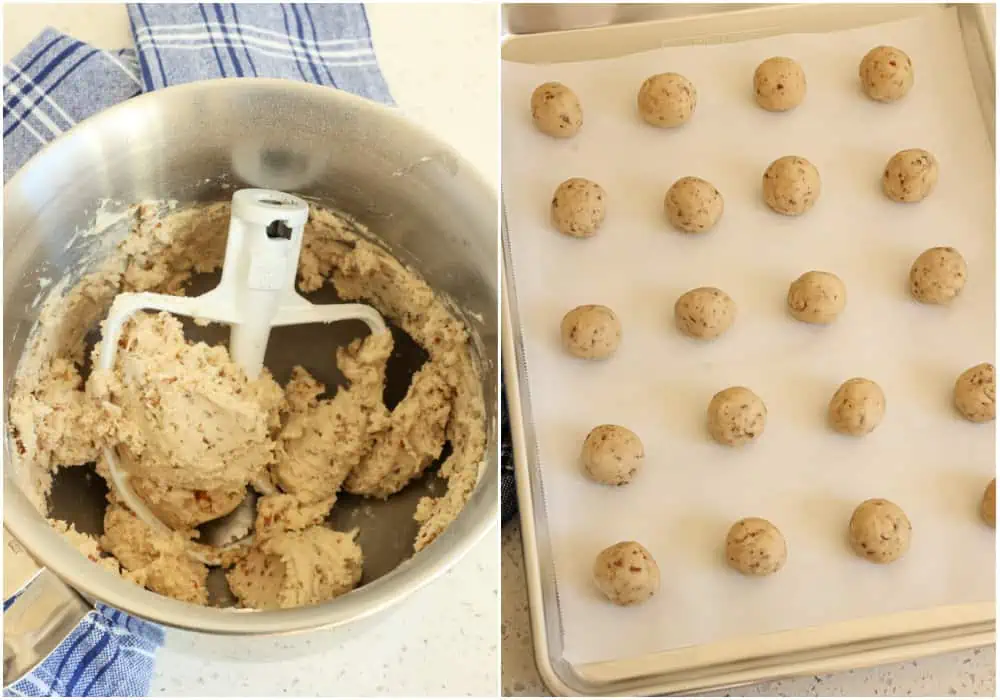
(799, 474)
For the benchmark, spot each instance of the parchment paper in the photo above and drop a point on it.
(799, 474)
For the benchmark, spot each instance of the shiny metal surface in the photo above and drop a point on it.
(534, 18)
(196, 143)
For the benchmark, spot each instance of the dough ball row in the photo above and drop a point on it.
(878, 531)
(669, 100)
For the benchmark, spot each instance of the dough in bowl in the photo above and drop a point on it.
(578, 207)
(938, 275)
(626, 573)
(667, 100)
(612, 454)
(791, 185)
(779, 84)
(704, 313)
(736, 416)
(817, 297)
(886, 74)
(693, 205)
(910, 176)
(755, 547)
(591, 332)
(857, 407)
(879, 531)
(976, 393)
(556, 111)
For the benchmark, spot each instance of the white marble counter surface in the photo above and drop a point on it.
(441, 66)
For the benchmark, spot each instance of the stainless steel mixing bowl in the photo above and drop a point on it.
(196, 143)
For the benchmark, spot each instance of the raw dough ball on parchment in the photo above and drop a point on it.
(756, 547)
(817, 297)
(704, 313)
(879, 531)
(626, 573)
(556, 110)
(578, 207)
(736, 416)
(667, 100)
(857, 407)
(988, 508)
(791, 185)
(976, 393)
(693, 205)
(910, 175)
(938, 276)
(592, 332)
(779, 84)
(886, 74)
(612, 454)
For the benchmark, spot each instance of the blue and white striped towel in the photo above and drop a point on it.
(57, 81)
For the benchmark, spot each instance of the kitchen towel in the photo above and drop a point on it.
(57, 81)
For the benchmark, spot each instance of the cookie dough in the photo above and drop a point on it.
(693, 205)
(779, 84)
(938, 275)
(886, 74)
(817, 297)
(704, 313)
(667, 100)
(910, 175)
(592, 332)
(626, 574)
(879, 531)
(578, 207)
(754, 546)
(857, 407)
(976, 393)
(612, 454)
(988, 507)
(556, 111)
(791, 185)
(736, 416)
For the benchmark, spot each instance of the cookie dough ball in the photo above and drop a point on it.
(626, 573)
(910, 175)
(886, 74)
(817, 297)
(938, 276)
(976, 393)
(779, 84)
(736, 416)
(755, 547)
(592, 332)
(988, 508)
(693, 205)
(612, 454)
(879, 531)
(667, 100)
(791, 185)
(704, 313)
(556, 110)
(578, 207)
(857, 407)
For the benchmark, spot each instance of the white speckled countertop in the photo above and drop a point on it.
(413, 650)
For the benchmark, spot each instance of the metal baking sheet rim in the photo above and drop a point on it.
(737, 662)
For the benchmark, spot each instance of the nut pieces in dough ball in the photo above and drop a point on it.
(791, 185)
(754, 546)
(626, 573)
(879, 531)
(886, 74)
(556, 110)
(693, 205)
(988, 508)
(779, 84)
(736, 416)
(612, 454)
(578, 207)
(667, 100)
(857, 407)
(592, 332)
(910, 175)
(704, 313)
(976, 393)
(817, 297)
(938, 276)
